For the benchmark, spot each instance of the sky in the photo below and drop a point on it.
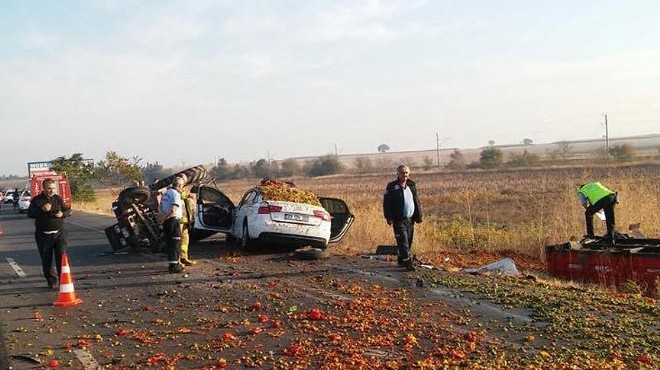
(187, 82)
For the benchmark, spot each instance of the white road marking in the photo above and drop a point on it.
(88, 361)
(19, 271)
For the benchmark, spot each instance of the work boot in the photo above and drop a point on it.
(185, 260)
(409, 265)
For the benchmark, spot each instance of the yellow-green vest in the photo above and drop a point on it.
(594, 192)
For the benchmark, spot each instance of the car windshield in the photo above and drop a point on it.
(286, 192)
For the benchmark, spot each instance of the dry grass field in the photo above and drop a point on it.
(494, 212)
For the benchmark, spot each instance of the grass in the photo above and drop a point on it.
(520, 211)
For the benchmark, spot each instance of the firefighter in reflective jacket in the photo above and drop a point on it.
(187, 220)
(594, 197)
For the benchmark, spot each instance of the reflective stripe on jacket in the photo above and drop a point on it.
(594, 192)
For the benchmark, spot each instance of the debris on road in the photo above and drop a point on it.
(504, 267)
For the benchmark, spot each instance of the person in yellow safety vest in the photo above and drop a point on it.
(187, 220)
(594, 197)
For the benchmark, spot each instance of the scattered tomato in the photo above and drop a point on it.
(255, 331)
(315, 314)
(334, 337)
(228, 336)
(293, 350)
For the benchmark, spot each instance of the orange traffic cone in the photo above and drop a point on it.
(67, 295)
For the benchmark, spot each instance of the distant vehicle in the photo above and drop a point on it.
(24, 201)
(8, 197)
(272, 212)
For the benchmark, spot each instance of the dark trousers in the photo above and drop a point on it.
(50, 245)
(606, 204)
(404, 229)
(172, 232)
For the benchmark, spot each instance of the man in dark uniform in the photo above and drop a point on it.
(49, 211)
(401, 209)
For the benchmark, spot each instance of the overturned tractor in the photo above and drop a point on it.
(136, 210)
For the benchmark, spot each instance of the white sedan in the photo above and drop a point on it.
(273, 213)
(24, 201)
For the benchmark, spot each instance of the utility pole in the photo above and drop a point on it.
(437, 148)
(607, 138)
(336, 149)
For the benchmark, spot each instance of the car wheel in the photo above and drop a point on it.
(246, 242)
(311, 253)
(134, 194)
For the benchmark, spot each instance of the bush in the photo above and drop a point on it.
(623, 152)
(326, 165)
(364, 165)
(491, 157)
(290, 167)
(457, 160)
(524, 159)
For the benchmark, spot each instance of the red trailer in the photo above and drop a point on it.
(607, 262)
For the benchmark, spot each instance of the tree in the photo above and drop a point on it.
(491, 142)
(524, 159)
(564, 149)
(326, 165)
(240, 172)
(80, 173)
(221, 170)
(263, 169)
(491, 157)
(117, 170)
(622, 153)
(457, 160)
(290, 167)
(528, 141)
(363, 164)
(153, 171)
(383, 148)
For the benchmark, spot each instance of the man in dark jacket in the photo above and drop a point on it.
(49, 211)
(401, 209)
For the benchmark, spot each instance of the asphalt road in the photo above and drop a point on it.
(257, 310)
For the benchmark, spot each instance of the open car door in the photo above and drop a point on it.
(340, 216)
(215, 211)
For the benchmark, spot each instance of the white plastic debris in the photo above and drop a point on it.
(504, 266)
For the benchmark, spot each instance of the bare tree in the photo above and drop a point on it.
(564, 149)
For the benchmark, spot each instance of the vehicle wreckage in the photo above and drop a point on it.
(272, 212)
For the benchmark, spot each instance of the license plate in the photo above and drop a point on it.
(296, 217)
